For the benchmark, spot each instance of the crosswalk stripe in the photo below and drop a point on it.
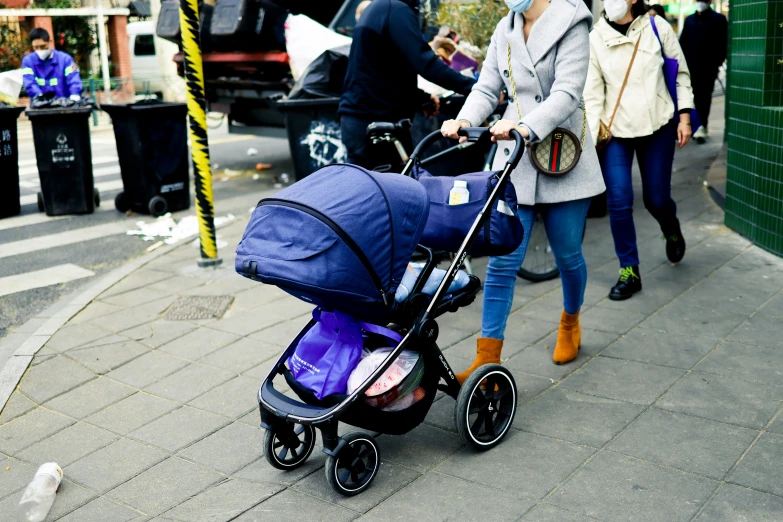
(41, 278)
(30, 167)
(106, 186)
(103, 141)
(39, 217)
(68, 237)
(96, 173)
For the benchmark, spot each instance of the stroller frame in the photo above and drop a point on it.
(280, 414)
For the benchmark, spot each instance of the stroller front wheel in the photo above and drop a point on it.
(288, 446)
(486, 405)
(355, 466)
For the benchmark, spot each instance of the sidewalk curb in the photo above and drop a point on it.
(14, 368)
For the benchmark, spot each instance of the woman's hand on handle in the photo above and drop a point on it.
(501, 131)
(450, 129)
(684, 130)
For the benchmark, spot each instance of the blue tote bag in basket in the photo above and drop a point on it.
(327, 354)
(670, 69)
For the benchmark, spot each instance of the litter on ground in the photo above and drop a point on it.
(172, 230)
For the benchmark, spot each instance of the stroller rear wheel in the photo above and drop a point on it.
(486, 405)
(288, 446)
(355, 466)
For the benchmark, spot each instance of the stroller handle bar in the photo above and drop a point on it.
(473, 134)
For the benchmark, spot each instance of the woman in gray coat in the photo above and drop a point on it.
(541, 51)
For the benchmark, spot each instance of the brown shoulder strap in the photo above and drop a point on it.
(625, 82)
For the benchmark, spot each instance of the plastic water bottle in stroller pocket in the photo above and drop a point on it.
(459, 194)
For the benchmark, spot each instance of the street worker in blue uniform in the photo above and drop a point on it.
(48, 70)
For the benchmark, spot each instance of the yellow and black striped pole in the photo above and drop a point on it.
(199, 144)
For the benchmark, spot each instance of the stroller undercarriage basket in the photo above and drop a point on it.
(362, 228)
(369, 417)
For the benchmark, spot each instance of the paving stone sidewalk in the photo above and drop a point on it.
(672, 412)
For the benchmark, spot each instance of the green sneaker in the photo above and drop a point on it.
(629, 283)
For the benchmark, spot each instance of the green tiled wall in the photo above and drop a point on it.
(754, 188)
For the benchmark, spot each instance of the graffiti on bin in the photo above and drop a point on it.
(5, 139)
(324, 143)
(63, 153)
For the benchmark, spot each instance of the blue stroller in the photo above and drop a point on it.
(341, 239)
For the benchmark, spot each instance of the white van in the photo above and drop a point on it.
(145, 69)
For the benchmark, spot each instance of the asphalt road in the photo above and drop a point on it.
(44, 258)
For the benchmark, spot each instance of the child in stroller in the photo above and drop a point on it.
(341, 239)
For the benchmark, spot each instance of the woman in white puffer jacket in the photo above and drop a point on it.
(626, 92)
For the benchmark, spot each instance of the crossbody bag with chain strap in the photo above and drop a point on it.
(559, 152)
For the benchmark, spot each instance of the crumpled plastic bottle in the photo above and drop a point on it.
(38, 497)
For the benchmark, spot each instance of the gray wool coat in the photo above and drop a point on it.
(550, 71)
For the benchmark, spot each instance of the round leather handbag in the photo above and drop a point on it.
(558, 153)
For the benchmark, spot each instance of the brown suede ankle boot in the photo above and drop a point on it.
(487, 352)
(569, 337)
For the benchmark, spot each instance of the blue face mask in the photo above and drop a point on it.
(519, 6)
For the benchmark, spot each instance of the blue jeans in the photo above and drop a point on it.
(564, 223)
(656, 154)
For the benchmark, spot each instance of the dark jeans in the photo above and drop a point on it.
(703, 84)
(354, 136)
(655, 154)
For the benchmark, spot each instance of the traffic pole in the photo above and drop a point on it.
(199, 143)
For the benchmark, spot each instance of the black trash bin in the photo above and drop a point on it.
(64, 156)
(313, 130)
(152, 145)
(9, 162)
(310, 113)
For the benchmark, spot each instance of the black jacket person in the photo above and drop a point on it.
(703, 41)
(387, 56)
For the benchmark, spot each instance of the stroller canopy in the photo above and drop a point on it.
(340, 238)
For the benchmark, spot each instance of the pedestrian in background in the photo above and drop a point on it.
(539, 53)
(631, 111)
(48, 70)
(704, 40)
(388, 54)
(657, 9)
